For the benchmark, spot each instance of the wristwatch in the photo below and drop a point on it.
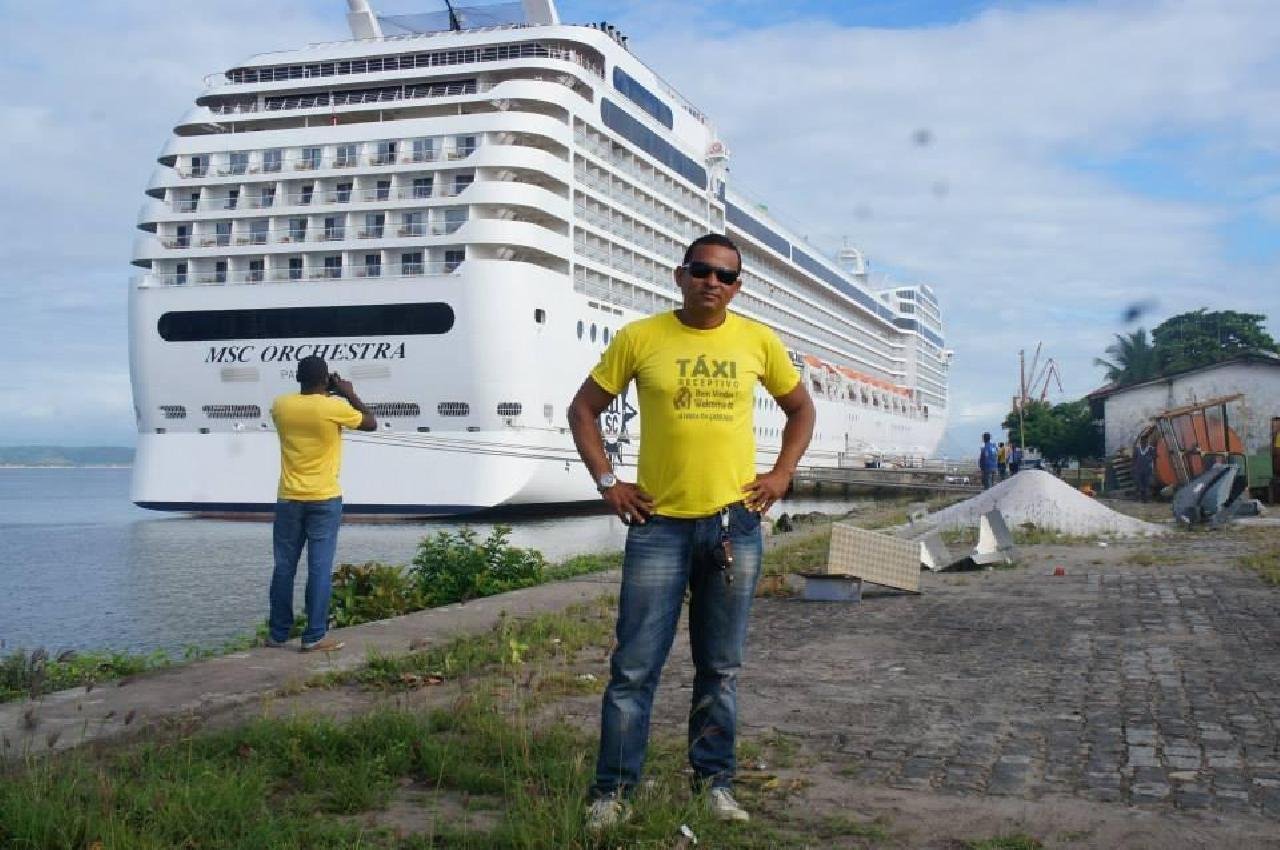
(604, 482)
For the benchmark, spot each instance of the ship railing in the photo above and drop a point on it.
(327, 69)
(279, 276)
(331, 99)
(314, 163)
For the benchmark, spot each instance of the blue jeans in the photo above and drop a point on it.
(664, 557)
(316, 524)
(988, 478)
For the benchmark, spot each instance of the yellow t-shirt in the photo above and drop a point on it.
(696, 391)
(309, 426)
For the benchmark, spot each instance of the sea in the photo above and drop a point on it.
(81, 567)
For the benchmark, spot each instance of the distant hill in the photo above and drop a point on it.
(65, 456)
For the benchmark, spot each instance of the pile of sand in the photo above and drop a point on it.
(1037, 497)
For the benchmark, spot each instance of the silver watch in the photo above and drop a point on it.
(604, 482)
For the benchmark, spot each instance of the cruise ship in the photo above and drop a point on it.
(457, 210)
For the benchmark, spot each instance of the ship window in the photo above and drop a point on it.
(616, 119)
(454, 217)
(326, 322)
(180, 274)
(453, 258)
(173, 411)
(238, 162)
(342, 192)
(199, 166)
(232, 411)
(461, 182)
(233, 198)
(548, 411)
(386, 153)
(411, 263)
(383, 192)
(297, 229)
(453, 408)
(510, 408)
(631, 88)
(295, 268)
(308, 192)
(345, 156)
(422, 187)
(257, 270)
(581, 327)
(333, 267)
(464, 146)
(593, 332)
(372, 265)
(605, 336)
(540, 316)
(220, 271)
(391, 409)
(310, 159)
(424, 150)
(271, 160)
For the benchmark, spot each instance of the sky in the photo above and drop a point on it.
(1041, 165)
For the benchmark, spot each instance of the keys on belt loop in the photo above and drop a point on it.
(724, 552)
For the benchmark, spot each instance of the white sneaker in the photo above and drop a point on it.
(607, 813)
(722, 805)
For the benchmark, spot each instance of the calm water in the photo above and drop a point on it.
(81, 567)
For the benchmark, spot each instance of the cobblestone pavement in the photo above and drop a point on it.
(1146, 685)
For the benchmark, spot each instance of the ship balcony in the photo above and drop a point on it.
(396, 271)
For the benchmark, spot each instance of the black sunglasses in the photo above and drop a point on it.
(698, 269)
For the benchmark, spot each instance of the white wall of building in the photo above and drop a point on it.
(1130, 410)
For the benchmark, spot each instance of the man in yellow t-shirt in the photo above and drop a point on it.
(309, 424)
(694, 513)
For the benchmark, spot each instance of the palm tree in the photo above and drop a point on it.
(1132, 359)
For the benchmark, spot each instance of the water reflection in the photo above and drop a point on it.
(85, 569)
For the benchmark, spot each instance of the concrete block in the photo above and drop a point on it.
(995, 542)
(934, 553)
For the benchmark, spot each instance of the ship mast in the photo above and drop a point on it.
(362, 21)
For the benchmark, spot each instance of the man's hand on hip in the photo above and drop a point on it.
(766, 489)
(632, 505)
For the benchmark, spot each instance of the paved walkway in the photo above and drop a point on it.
(1116, 683)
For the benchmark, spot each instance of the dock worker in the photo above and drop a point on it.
(987, 462)
(1144, 465)
(693, 515)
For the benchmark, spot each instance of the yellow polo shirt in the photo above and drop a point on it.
(696, 391)
(310, 430)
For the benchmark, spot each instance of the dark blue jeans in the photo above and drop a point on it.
(315, 524)
(664, 558)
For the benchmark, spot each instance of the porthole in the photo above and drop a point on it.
(606, 336)
(540, 316)
(580, 327)
(593, 332)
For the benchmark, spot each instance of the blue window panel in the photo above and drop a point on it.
(913, 325)
(617, 119)
(642, 97)
(842, 284)
(738, 217)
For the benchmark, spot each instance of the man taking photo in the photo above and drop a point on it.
(694, 514)
(309, 424)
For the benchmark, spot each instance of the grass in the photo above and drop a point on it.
(1266, 563)
(1005, 842)
(307, 782)
(1026, 534)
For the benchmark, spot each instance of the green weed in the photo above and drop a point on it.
(1266, 563)
(1005, 842)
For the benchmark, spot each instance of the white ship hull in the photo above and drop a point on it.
(494, 353)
